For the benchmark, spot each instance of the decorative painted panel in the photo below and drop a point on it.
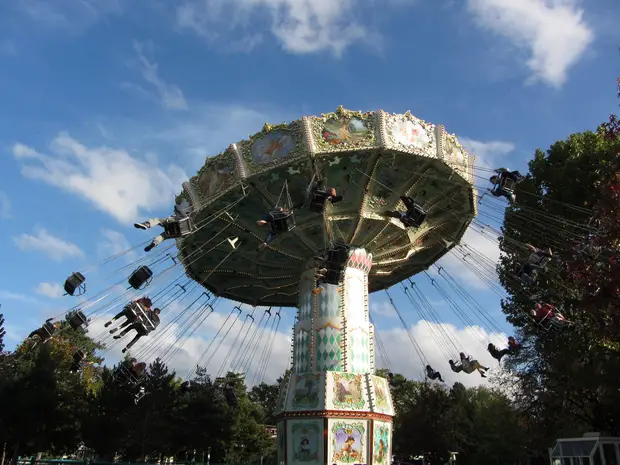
(381, 395)
(306, 297)
(328, 301)
(305, 442)
(407, 133)
(328, 351)
(281, 442)
(348, 391)
(302, 351)
(343, 130)
(307, 392)
(454, 154)
(381, 443)
(358, 351)
(348, 441)
(216, 176)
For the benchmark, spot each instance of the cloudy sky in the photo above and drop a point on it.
(108, 105)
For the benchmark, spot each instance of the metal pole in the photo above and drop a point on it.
(4, 448)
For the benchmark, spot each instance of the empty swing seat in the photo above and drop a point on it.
(75, 284)
(282, 222)
(231, 396)
(140, 277)
(77, 319)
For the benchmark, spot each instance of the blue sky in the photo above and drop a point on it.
(107, 106)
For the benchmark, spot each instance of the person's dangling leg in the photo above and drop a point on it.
(150, 223)
(125, 323)
(158, 240)
(133, 341)
(125, 331)
(408, 201)
(116, 317)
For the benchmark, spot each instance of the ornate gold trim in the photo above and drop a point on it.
(336, 414)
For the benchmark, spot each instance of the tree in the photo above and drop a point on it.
(567, 380)
(2, 332)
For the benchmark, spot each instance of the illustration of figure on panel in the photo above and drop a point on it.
(348, 442)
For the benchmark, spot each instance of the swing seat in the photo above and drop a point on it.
(75, 284)
(282, 222)
(141, 278)
(317, 202)
(231, 396)
(78, 357)
(417, 215)
(179, 228)
(334, 277)
(186, 386)
(507, 184)
(47, 330)
(338, 255)
(77, 319)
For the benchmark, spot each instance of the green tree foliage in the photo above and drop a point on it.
(568, 380)
(2, 332)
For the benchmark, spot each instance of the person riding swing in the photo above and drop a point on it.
(176, 226)
(414, 215)
(280, 219)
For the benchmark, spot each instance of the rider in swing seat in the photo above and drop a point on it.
(500, 180)
(412, 217)
(318, 195)
(130, 312)
(547, 316)
(497, 354)
(432, 374)
(469, 365)
(536, 262)
(142, 328)
(455, 366)
(45, 332)
(178, 225)
(278, 223)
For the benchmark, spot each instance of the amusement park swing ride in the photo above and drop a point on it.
(314, 214)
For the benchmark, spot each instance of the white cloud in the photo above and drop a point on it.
(51, 290)
(382, 309)
(488, 154)
(170, 95)
(552, 32)
(67, 15)
(8, 295)
(110, 178)
(301, 26)
(5, 206)
(404, 358)
(47, 244)
(115, 243)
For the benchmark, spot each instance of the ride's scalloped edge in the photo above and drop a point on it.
(382, 129)
(192, 196)
(307, 132)
(241, 170)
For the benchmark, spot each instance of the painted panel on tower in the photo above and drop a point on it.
(348, 391)
(328, 354)
(307, 391)
(381, 443)
(328, 302)
(348, 441)
(382, 399)
(305, 442)
(281, 444)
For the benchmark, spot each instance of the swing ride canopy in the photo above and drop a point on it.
(371, 159)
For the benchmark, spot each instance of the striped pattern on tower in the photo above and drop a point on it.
(302, 362)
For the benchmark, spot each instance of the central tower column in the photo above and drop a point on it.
(334, 410)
